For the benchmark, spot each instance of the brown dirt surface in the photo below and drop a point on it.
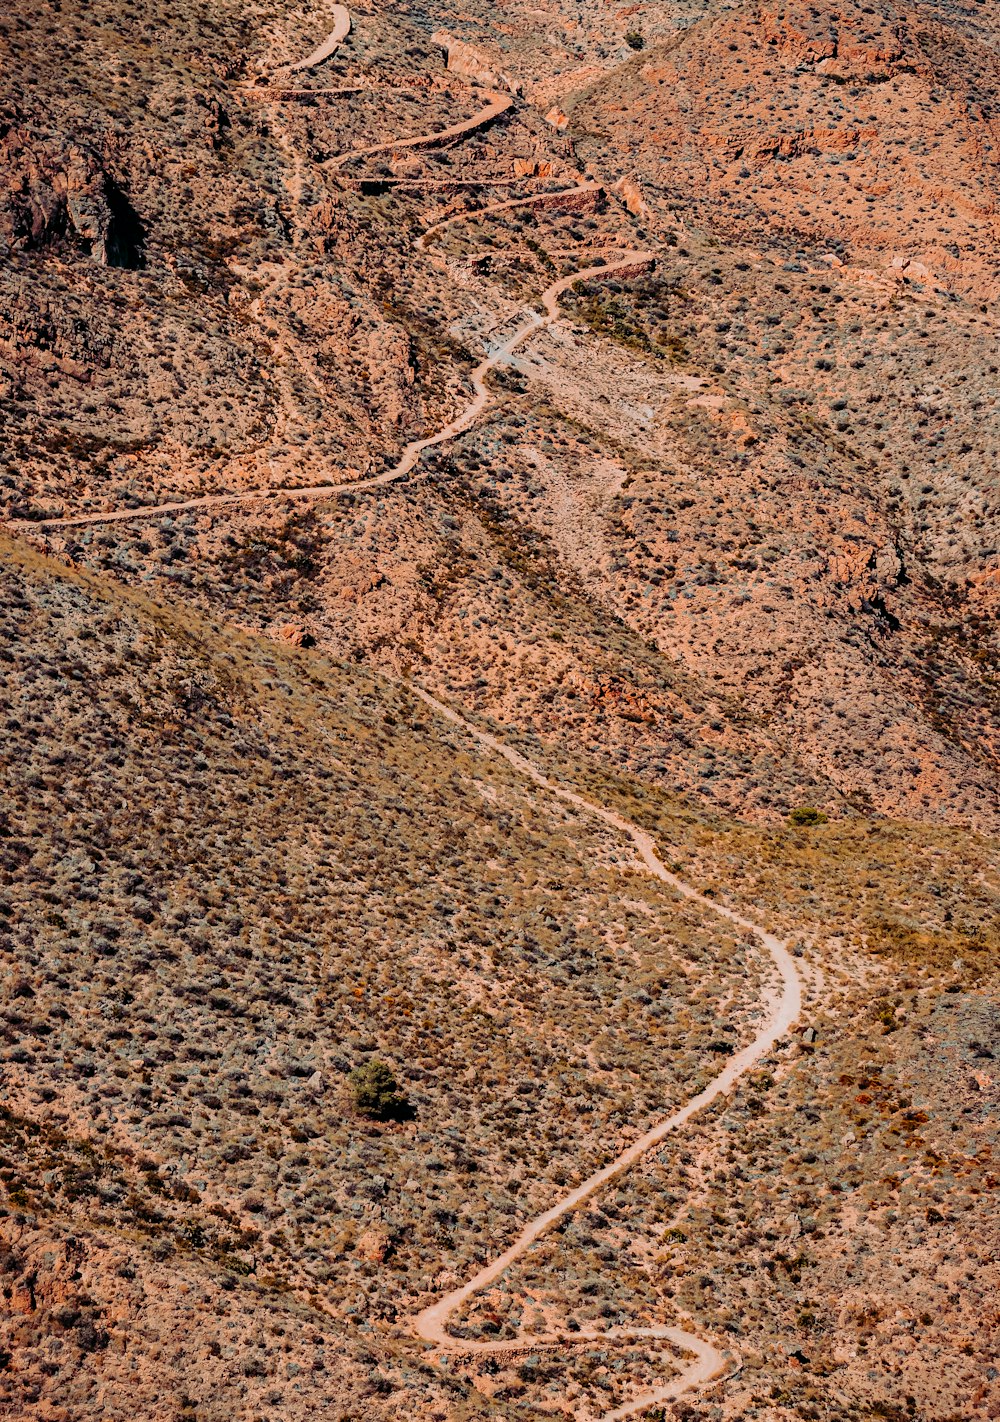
(352, 479)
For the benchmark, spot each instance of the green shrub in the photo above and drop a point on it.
(377, 1093)
(634, 39)
(806, 815)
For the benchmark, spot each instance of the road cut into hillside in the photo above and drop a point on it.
(617, 262)
(341, 29)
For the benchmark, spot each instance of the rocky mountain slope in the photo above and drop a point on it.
(771, 479)
(306, 414)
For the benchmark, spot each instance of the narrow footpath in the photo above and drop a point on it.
(341, 29)
(565, 197)
(497, 104)
(781, 1006)
(432, 1324)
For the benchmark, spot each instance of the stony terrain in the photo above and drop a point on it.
(307, 415)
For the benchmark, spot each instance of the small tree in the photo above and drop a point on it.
(634, 39)
(377, 1093)
(806, 815)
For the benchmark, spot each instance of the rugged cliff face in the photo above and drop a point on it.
(306, 411)
(66, 198)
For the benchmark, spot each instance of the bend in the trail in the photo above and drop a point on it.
(431, 1324)
(621, 261)
(497, 105)
(341, 29)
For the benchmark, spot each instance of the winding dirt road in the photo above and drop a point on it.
(553, 199)
(498, 104)
(615, 262)
(432, 1324)
(341, 29)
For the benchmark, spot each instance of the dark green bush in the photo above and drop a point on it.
(806, 815)
(377, 1093)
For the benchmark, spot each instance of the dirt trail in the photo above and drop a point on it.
(341, 29)
(434, 183)
(277, 95)
(431, 1324)
(619, 262)
(498, 104)
(563, 195)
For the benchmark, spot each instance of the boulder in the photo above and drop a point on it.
(471, 63)
(296, 634)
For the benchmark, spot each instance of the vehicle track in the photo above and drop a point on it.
(432, 1324)
(341, 29)
(617, 262)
